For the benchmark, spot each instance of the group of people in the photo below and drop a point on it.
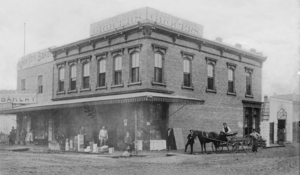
(227, 131)
(24, 136)
(103, 137)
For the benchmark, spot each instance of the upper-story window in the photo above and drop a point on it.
(102, 72)
(158, 68)
(23, 84)
(231, 78)
(248, 81)
(117, 70)
(61, 79)
(86, 75)
(211, 74)
(73, 76)
(40, 84)
(186, 72)
(135, 67)
(210, 77)
(230, 81)
(187, 69)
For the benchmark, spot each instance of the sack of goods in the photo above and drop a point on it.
(88, 149)
(104, 148)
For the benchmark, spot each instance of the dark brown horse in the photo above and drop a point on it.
(205, 137)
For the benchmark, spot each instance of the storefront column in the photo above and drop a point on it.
(135, 130)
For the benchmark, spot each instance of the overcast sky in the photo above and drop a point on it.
(269, 26)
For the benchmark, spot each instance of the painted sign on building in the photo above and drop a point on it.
(144, 15)
(5, 106)
(36, 58)
(22, 97)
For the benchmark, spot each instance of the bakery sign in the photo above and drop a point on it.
(281, 114)
(18, 97)
(145, 15)
(36, 58)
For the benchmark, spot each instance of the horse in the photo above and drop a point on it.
(205, 137)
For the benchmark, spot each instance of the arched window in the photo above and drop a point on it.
(135, 65)
(186, 72)
(102, 72)
(86, 75)
(118, 70)
(73, 77)
(158, 68)
(61, 79)
(230, 80)
(210, 77)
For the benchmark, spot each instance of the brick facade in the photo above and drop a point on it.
(219, 106)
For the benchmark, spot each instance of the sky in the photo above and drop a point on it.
(269, 26)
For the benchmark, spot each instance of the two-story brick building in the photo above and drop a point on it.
(145, 71)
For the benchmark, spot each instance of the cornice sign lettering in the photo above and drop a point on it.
(18, 97)
(145, 15)
(34, 59)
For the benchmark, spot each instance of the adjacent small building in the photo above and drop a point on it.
(142, 72)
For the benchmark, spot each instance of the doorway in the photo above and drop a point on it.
(281, 131)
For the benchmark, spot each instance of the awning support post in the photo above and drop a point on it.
(135, 131)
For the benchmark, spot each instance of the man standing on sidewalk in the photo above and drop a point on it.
(103, 136)
(190, 141)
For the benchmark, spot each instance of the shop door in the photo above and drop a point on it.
(272, 133)
(251, 120)
(281, 131)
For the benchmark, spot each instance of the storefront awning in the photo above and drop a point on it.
(113, 99)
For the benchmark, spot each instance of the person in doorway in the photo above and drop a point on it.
(170, 138)
(190, 141)
(226, 129)
(103, 136)
(255, 137)
(128, 142)
(30, 136)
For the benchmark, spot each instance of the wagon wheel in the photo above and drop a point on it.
(213, 147)
(227, 145)
(235, 146)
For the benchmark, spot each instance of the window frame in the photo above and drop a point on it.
(71, 65)
(61, 82)
(83, 85)
(231, 67)
(119, 71)
(211, 62)
(161, 50)
(249, 71)
(99, 60)
(187, 57)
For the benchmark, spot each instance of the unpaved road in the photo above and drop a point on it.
(284, 160)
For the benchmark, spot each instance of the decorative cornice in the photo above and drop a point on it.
(137, 47)
(211, 60)
(159, 48)
(187, 55)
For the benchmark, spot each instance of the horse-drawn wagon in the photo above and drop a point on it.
(219, 141)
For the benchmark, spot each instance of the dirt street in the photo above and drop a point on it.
(284, 160)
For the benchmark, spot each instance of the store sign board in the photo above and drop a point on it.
(36, 58)
(18, 97)
(146, 15)
(6, 106)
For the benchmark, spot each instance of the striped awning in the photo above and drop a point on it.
(112, 99)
